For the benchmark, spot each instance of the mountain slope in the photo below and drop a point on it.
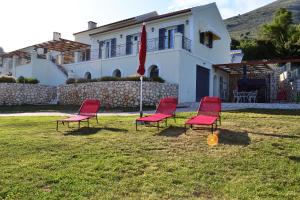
(248, 24)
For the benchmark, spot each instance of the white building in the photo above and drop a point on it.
(182, 47)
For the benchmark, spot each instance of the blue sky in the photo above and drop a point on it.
(27, 22)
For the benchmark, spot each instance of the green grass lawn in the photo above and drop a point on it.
(258, 158)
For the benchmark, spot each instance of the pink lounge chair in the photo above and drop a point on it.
(209, 113)
(166, 109)
(88, 110)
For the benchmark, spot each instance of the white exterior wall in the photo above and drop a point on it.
(168, 69)
(209, 15)
(44, 70)
(24, 70)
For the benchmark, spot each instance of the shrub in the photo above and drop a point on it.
(31, 80)
(158, 79)
(7, 79)
(21, 79)
(71, 81)
(82, 80)
(109, 78)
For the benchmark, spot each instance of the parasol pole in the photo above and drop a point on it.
(141, 97)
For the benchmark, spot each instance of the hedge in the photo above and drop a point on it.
(7, 79)
(111, 78)
(21, 79)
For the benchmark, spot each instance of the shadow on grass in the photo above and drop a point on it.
(90, 131)
(172, 131)
(294, 158)
(233, 138)
(268, 111)
(277, 135)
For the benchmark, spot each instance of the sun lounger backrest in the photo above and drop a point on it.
(167, 106)
(210, 106)
(89, 107)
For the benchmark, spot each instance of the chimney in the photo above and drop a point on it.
(92, 25)
(56, 36)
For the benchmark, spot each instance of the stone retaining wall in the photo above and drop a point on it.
(116, 93)
(20, 94)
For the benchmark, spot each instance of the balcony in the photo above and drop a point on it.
(129, 49)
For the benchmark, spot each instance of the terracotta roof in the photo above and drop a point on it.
(133, 21)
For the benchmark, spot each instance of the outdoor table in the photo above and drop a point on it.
(244, 97)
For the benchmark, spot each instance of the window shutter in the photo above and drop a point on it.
(161, 42)
(180, 29)
(210, 40)
(113, 47)
(101, 43)
(128, 45)
(202, 37)
(88, 54)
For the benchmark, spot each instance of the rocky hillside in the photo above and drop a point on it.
(248, 24)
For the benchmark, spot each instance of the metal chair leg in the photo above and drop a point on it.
(97, 119)
(88, 123)
(56, 125)
(79, 125)
(157, 126)
(135, 125)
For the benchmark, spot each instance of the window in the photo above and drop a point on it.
(153, 71)
(206, 38)
(117, 73)
(88, 76)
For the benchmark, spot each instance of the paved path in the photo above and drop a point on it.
(190, 107)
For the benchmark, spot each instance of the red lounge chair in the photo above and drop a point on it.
(209, 113)
(88, 110)
(166, 109)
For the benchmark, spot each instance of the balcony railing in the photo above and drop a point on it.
(186, 44)
(132, 48)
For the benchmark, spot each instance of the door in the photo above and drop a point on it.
(202, 83)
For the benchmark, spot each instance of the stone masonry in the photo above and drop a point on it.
(116, 93)
(31, 94)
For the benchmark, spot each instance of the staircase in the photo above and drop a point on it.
(62, 69)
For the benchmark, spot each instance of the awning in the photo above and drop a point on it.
(209, 29)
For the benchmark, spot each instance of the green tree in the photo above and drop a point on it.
(257, 49)
(282, 33)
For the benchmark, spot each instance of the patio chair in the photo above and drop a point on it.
(88, 110)
(166, 109)
(252, 96)
(236, 96)
(209, 113)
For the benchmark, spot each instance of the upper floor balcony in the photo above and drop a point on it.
(109, 49)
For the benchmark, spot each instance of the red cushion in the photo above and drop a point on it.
(154, 118)
(76, 118)
(202, 120)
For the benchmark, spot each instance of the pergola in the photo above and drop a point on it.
(252, 72)
(256, 66)
(18, 53)
(63, 45)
